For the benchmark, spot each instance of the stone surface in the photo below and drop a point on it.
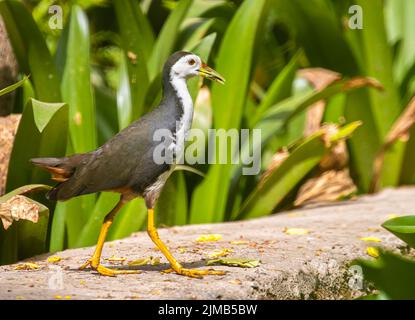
(309, 266)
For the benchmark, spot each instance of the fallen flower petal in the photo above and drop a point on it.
(296, 231)
(219, 253)
(373, 252)
(239, 242)
(209, 237)
(371, 239)
(27, 266)
(54, 259)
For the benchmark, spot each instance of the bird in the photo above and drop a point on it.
(125, 163)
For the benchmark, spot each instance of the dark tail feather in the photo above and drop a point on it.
(60, 169)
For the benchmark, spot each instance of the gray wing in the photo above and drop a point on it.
(126, 160)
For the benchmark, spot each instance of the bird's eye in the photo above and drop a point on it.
(191, 62)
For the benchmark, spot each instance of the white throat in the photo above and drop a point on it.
(185, 122)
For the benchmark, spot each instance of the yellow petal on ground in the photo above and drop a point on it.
(392, 216)
(58, 297)
(154, 261)
(370, 239)
(68, 297)
(372, 251)
(209, 237)
(54, 259)
(116, 259)
(182, 250)
(235, 281)
(20, 298)
(238, 242)
(27, 266)
(296, 231)
(219, 253)
(295, 215)
(139, 262)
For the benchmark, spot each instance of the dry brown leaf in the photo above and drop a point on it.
(319, 78)
(16, 208)
(399, 131)
(327, 187)
(8, 128)
(276, 161)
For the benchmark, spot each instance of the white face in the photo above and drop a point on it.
(186, 67)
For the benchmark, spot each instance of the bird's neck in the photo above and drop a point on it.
(175, 91)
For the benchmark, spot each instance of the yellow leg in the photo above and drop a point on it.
(94, 261)
(176, 266)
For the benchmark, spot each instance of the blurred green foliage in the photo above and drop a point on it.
(103, 69)
(391, 273)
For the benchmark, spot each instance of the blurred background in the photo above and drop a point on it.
(328, 82)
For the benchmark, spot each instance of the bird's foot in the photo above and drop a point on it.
(104, 270)
(196, 273)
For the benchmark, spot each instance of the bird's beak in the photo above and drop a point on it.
(209, 73)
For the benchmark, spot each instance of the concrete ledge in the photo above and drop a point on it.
(310, 266)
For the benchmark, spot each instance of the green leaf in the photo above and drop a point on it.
(272, 190)
(137, 42)
(24, 190)
(167, 38)
(45, 126)
(13, 86)
(385, 106)
(124, 101)
(267, 195)
(76, 85)
(171, 208)
(235, 262)
(130, 219)
(400, 25)
(279, 89)
(30, 49)
(24, 238)
(318, 29)
(90, 230)
(392, 274)
(403, 228)
(234, 62)
(77, 92)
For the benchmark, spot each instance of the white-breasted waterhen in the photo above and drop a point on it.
(125, 163)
